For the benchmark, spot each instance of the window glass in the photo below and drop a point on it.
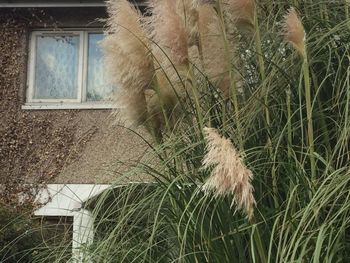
(97, 87)
(56, 67)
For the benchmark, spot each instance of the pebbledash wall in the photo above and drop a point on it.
(54, 146)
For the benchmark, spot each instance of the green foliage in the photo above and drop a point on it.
(25, 239)
(17, 237)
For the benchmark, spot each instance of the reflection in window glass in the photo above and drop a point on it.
(56, 67)
(97, 87)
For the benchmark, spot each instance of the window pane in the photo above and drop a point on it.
(56, 67)
(97, 87)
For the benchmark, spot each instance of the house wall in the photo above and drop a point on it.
(56, 146)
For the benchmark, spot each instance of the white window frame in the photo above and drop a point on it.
(78, 103)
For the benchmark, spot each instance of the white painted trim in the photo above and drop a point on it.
(68, 106)
(83, 235)
(81, 65)
(85, 65)
(86, 61)
(30, 69)
(65, 199)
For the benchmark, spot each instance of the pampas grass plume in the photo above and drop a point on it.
(243, 12)
(135, 106)
(294, 32)
(168, 30)
(188, 11)
(216, 62)
(229, 175)
(127, 59)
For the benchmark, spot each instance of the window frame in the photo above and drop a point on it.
(80, 102)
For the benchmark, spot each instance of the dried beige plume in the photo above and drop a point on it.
(187, 9)
(164, 99)
(229, 175)
(216, 61)
(134, 106)
(168, 84)
(128, 62)
(294, 32)
(168, 30)
(242, 12)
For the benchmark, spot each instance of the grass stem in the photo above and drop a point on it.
(194, 89)
(310, 129)
(265, 91)
(233, 86)
(260, 250)
(289, 123)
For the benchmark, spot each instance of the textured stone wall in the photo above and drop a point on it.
(53, 146)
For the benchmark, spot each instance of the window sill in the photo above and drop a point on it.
(68, 106)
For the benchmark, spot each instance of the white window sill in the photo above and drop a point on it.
(67, 106)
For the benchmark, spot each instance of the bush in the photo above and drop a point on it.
(19, 235)
(27, 239)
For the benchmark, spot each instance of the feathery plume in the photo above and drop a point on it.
(242, 12)
(294, 32)
(128, 62)
(187, 10)
(168, 84)
(230, 175)
(134, 106)
(164, 99)
(168, 30)
(216, 62)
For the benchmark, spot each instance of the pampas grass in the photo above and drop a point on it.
(216, 63)
(188, 11)
(173, 42)
(170, 52)
(242, 12)
(230, 175)
(127, 58)
(295, 218)
(294, 32)
(132, 67)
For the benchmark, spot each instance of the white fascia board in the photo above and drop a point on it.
(65, 199)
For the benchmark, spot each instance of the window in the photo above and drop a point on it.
(66, 71)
